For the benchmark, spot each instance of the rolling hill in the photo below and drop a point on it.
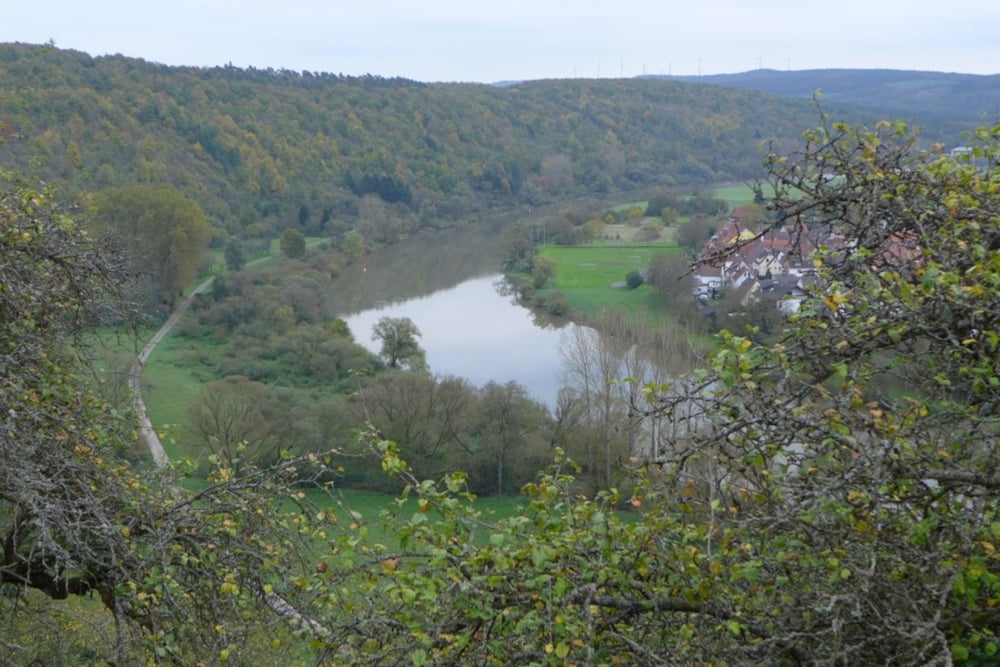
(916, 94)
(263, 150)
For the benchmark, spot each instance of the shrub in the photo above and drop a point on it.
(556, 304)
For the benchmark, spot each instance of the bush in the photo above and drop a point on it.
(555, 303)
(634, 279)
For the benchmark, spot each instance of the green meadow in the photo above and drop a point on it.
(592, 278)
(172, 381)
(735, 194)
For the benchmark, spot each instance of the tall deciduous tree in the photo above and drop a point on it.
(693, 234)
(400, 348)
(164, 233)
(235, 420)
(293, 244)
(671, 275)
(427, 417)
(235, 257)
(543, 269)
(507, 428)
(557, 172)
(594, 360)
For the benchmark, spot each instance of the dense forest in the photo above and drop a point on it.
(265, 150)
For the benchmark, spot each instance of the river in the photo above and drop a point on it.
(447, 283)
(471, 330)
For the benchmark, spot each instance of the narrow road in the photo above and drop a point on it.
(146, 431)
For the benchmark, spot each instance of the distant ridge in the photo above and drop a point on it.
(949, 94)
(263, 150)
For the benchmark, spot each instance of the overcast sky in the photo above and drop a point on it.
(487, 41)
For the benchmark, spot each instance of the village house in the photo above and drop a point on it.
(771, 265)
(774, 265)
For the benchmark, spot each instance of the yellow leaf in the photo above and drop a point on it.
(834, 301)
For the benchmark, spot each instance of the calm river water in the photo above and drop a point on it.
(473, 331)
(447, 284)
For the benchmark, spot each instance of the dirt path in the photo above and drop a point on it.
(146, 431)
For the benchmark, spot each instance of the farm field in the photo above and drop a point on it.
(735, 194)
(592, 278)
(601, 265)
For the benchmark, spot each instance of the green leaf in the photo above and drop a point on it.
(541, 555)
(959, 652)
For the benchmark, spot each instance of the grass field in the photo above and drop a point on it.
(171, 381)
(371, 504)
(736, 194)
(601, 265)
(592, 278)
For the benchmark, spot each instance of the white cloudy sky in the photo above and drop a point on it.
(483, 40)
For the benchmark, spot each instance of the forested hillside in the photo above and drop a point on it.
(262, 150)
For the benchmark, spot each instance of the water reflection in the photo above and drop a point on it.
(475, 330)
(420, 265)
